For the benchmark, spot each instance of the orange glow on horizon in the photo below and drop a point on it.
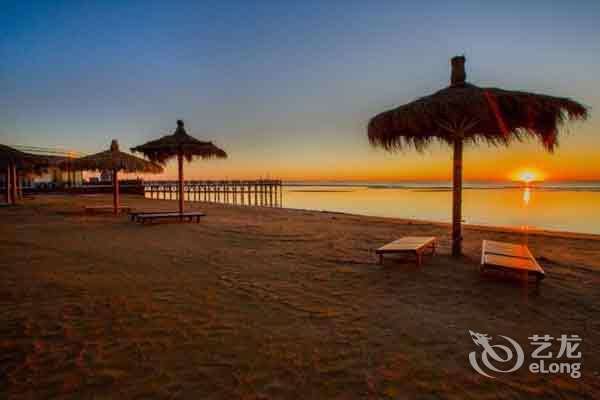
(528, 175)
(523, 163)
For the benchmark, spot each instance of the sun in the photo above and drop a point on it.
(528, 175)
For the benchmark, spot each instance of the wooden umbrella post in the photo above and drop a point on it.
(180, 165)
(115, 179)
(457, 78)
(8, 183)
(457, 197)
(19, 186)
(15, 182)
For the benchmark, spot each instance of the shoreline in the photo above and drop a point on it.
(481, 227)
(491, 228)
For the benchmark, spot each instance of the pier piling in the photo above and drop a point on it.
(256, 193)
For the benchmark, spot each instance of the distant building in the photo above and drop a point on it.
(106, 176)
(50, 176)
(54, 177)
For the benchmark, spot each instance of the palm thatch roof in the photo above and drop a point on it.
(161, 150)
(477, 114)
(112, 159)
(39, 164)
(11, 156)
(28, 163)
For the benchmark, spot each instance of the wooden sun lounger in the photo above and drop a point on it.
(106, 208)
(134, 214)
(408, 245)
(149, 217)
(510, 257)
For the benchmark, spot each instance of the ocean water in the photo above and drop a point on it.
(572, 207)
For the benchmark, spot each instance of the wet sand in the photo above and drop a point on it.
(261, 303)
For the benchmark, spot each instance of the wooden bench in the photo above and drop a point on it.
(103, 209)
(510, 257)
(408, 245)
(149, 217)
(134, 214)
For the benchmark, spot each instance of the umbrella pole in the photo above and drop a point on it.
(180, 164)
(15, 182)
(19, 186)
(457, 198)
(8, 183)
(116, 191)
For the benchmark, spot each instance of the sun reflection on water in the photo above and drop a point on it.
(526, 196)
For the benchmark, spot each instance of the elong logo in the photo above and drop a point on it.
(512, 357)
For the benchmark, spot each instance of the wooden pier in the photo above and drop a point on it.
(258, 193)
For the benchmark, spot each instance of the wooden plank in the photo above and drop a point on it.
(522, 264)
(170, 215)
(408, 243)
(189, 216)
(506, 249)
(509, 256)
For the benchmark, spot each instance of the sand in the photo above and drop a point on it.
(261, 303)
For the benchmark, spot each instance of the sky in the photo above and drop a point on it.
(287, 87)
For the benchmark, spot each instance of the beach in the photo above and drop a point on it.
(269, 303)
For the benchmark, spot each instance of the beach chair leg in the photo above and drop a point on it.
(380, 261)
(419, 259)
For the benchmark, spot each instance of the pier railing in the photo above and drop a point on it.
(261, 193)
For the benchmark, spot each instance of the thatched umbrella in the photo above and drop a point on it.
(114, 160)
(180, 145)
(465, 113)
(10, 160)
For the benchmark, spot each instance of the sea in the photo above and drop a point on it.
(560, 206)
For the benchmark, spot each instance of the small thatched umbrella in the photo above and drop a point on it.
(10, 160)
(114, 160)
(180, 145)
(464, 112)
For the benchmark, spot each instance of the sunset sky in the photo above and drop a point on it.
(287, 88)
